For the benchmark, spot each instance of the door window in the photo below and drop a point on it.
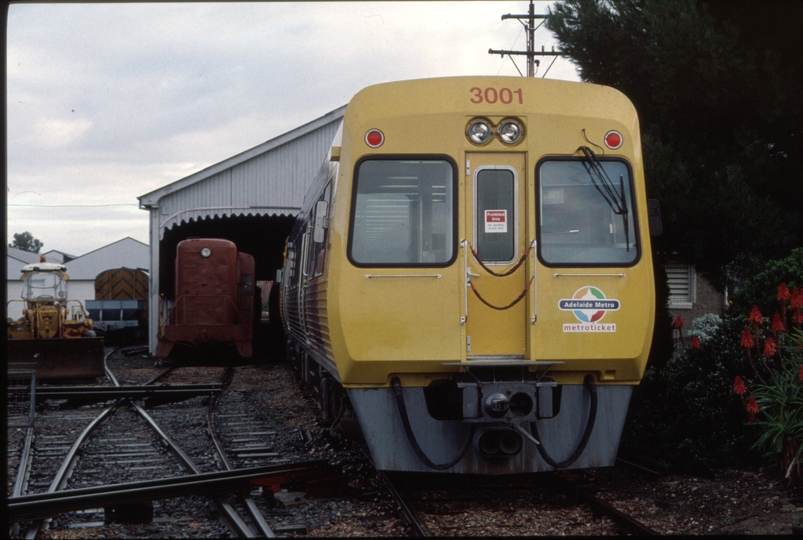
(495, 219)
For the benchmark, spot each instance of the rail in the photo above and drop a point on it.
(95, 394)
(56, 499)
(253, 510)
(627, 523)
(42, 505)
(412, 517)
(20, 394)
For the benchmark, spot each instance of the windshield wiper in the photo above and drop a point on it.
(616, 200)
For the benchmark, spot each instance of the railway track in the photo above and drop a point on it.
(258, 431)
(123, 444)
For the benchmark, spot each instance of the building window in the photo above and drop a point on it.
(682, 280)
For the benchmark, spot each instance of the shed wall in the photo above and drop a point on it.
(273, 183)
(269, 180)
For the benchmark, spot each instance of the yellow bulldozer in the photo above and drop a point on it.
(54, 335)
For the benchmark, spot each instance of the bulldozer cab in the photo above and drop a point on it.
(44, 282)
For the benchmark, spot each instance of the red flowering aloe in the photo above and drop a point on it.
(797, 317)
(752, 405)
(694, 343)
(747, 340)
(783, 296)
(752, 408)
(678, 322)
(739, 387)
(777, 325)
(779, 399)
(756, 319)
(769, 347)
(796, 298)
(783, 293)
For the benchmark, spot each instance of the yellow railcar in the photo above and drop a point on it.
(470, 278)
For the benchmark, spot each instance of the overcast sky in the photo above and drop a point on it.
(107, 102)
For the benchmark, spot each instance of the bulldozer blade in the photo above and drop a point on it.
(59, 358)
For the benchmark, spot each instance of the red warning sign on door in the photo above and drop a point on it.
(496, 221)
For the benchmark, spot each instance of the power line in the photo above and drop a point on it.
(530, 53)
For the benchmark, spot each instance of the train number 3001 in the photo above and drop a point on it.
(492, 95)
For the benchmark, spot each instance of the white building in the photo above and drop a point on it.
(82, 271)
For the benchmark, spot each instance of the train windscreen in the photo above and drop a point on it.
(403, 213)
(586, 213)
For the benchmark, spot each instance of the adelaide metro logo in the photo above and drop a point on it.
(589, 306)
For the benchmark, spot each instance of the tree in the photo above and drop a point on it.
(721, 118)
(26, 242)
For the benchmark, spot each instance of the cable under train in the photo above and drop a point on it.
(470, 278)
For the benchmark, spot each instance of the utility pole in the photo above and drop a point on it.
(531, 53)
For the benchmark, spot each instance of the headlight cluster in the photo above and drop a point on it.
(479, 131)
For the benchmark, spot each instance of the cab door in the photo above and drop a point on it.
(498, 263)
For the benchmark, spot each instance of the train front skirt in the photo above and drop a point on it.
(442, 441)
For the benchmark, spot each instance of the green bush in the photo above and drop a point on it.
(685, 413)
(762, 289)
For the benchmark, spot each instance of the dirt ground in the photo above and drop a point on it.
(732, 502)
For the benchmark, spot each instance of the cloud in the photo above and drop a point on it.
(110, 101)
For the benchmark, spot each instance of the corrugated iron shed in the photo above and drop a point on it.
(268, 180)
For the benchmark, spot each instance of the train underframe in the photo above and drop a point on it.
(209, 336)
(500, 420)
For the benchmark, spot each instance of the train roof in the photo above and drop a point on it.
(523, 95)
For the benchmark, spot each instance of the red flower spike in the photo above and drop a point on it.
(783, 293)
(777, 324)
(796, 299)
(739, 387)
(769, 347)
(747, 339)
(752, 405)
(800, 375)
(678, 322)
(755, 315)
(797, 317)
(694, 343)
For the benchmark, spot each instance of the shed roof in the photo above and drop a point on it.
(269, 179)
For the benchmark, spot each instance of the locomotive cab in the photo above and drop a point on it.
(214, 304)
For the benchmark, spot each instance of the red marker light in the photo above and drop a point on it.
(613, 140)
(374, 138)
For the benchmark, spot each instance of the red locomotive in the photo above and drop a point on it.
(215, 299)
